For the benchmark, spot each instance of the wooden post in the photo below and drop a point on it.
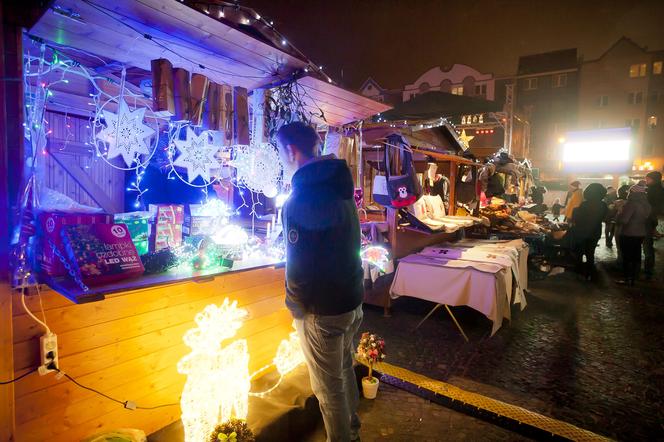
(199, 86)
(181, 94)
(241, 108)
(163, 103)
(453, 174)
(227, 112)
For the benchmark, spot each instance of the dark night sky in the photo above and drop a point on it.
(395, 41)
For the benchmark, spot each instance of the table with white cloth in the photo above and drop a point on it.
(488, 276)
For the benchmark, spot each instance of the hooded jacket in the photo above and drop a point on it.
(656, 197)
(590, 214)
(322, 235)
(635, 215)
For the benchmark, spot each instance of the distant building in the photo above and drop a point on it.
(624, 87)
(546, 94)
(458, 80)
(371, 89)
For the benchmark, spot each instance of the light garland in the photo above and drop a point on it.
(258, 168)
(218, 380)
(197, 155)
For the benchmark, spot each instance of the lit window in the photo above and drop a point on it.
(457, 90)
(603, 101)
(531, 83)
(638, 70)
(635, 97)
(652, 122)
(560, 80)
(480, 89)
(657, 68)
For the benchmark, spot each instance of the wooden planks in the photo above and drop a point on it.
(127, 346)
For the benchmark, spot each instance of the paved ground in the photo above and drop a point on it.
(396, 415)
(587, 353)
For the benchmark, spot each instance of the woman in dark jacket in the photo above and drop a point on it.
(587, 227)
(634, 223)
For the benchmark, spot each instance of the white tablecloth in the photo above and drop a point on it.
(486, 276)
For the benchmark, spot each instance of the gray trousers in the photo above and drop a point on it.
(327, 344)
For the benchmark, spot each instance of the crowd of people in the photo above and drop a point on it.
(630, 216)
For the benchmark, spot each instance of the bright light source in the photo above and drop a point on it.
(593, 151)
(281, 200)
(561, 140)
(283, 42)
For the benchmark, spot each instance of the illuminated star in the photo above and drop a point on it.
(465, 139)
(197, 155)
(125, 133)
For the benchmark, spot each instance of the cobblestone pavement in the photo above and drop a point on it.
(396, 415)
(587, 353)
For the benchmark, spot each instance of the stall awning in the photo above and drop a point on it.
(336, 104)
(133, 32)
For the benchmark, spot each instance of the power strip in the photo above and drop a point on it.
(48, 349)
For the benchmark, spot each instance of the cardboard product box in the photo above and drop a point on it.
(138, 224)
(101, 253)
(166, 213)
(49, 228)
(198, 220)
(165, 235)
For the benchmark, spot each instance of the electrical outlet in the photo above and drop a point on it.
(49, 352)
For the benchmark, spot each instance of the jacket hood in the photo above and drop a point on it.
(594, 191)
(638, 197)
(329, 177)
(655, 176)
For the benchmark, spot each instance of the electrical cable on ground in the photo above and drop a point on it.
(18, 378)
(125, 404)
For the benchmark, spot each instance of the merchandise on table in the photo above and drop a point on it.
(101, 253)
(165, 235)
(167, 213)
(138, 224)
(50, 227)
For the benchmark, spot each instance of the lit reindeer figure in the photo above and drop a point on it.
(218, 378)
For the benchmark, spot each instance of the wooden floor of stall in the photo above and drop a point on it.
(127, 346)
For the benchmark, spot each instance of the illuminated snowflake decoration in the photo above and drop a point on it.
(258, 168)
(218, 380)
(125, 133)
(197, 155)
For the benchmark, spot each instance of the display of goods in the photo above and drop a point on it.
(50, 227)
(165, 235)
(166, 213)
(138, 224)
(101, 253)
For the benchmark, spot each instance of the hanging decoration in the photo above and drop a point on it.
(125, 134)
(197, 155)
(258, 168)
(465, 139)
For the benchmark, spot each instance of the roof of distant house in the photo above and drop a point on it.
(547, 62)
(440, 104)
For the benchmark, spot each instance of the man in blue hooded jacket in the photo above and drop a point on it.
(324, 278)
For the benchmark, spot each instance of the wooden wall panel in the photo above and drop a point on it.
(67, 140)
(127, 346)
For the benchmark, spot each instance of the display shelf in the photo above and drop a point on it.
(66, 287)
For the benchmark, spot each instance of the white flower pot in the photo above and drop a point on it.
(370, 387)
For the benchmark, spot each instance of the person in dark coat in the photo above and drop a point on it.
(610, 221)
(587, 227)
(324, 277)
(634, 221)
(617, 207)
(656, 199)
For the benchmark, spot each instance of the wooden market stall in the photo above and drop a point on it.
(124, 339)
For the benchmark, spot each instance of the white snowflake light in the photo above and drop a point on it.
(258, 168)
(218, 381)
(125, 133)
(197, 155)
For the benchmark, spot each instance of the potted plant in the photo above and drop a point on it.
(234, 430)
(371, 349)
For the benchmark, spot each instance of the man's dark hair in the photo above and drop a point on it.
(303, 137)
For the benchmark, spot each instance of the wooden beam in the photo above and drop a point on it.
(86, 183)
(447, 157)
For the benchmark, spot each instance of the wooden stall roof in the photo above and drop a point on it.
(134, 32)
(447, 157)
(338, 105)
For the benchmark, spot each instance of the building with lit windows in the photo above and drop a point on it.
(624, 87)
(457, 80)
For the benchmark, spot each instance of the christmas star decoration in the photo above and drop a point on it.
(197, 155)
(125, 133)
(465, 139)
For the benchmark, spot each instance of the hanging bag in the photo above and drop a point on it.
(403, 189)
